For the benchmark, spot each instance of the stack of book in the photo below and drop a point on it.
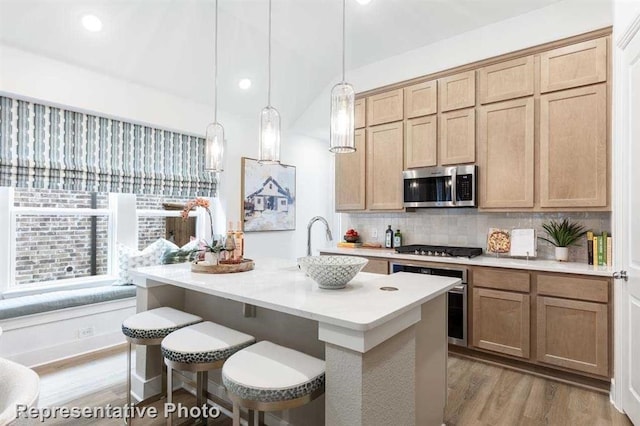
(599, 249)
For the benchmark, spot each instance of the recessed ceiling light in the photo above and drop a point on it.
(244, 84)
(364, 1)
(91, 23)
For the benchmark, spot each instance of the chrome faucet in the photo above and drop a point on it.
(311, 222)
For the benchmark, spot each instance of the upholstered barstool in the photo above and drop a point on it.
(198, 349)
(149, 328)
(269, 377)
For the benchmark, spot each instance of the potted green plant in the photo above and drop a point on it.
(563, 235)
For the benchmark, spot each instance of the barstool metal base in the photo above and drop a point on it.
(163, 376)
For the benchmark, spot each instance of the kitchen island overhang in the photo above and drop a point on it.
(358, 324)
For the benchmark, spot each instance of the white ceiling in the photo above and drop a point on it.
(168, 44)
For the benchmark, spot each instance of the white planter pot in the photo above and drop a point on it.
(211, 258)
(562, 254)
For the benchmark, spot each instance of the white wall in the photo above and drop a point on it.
(560, 20)
(43, 79)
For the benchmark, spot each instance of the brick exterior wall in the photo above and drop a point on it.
(47, 245)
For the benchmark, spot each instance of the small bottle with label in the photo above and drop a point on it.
(388, 238)
(239, 240)
(397, 238)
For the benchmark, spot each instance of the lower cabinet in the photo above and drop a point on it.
(501, 321)
(573, 334)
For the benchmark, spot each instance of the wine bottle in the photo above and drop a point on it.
(388, 238)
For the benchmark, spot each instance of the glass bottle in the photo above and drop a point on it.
(397, 238)
(388, 238)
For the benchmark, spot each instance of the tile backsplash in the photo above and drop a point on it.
(468, 227)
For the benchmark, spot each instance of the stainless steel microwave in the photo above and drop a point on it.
(453, 186)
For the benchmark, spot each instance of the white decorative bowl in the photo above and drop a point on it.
(332, 272)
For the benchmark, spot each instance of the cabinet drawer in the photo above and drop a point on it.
(376, 266)
(501, 279)
(385, 107)
(457, 91)
(583, 288)
(420, 99)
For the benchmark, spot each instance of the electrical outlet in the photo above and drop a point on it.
(374, 234)
(83, 333)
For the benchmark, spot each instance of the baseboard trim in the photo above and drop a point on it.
(70, 361)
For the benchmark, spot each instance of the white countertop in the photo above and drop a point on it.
(484, 260)
(280, 286)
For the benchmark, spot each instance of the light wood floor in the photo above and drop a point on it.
(479, 394)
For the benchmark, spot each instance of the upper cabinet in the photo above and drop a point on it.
(384, 167)
(457, 137)
(506, 154)
(506, 80)
(421, 99)
(385, 107)
(573, 148)
(350, 173)
(575, 65)
(420, 142)
(457, 91)
(360, 113)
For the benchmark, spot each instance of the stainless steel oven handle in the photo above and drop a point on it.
(454, 184)
(460, 288)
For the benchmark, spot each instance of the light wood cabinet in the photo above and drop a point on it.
(574, 148)
(506, 80)
(502, 279)
(350, 176)
(385, 107)
(573, 334)
(457, 142)
(384, 167)
(420, 142)
(376, 266)
(506, 154)
(575, 65)
(501, 322)
(360, 113)
(457, 91)
(421, 99)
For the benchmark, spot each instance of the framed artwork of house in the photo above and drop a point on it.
(268, 196)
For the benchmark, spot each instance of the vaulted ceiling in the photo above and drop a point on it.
(168, 44)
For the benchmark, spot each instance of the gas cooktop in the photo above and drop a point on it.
(442, 251)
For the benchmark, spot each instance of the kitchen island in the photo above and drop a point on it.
(385, 351)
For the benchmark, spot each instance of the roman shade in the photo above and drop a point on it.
(47, 147)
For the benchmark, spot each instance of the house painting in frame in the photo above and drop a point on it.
(268, 196)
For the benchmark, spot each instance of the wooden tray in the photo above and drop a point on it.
(206, 268)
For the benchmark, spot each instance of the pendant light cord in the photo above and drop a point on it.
(269, 62)
(215, 73)
(343, 37)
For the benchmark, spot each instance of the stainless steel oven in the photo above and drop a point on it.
(456, 300)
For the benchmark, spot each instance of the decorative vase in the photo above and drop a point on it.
(562, 254)
(211, 258)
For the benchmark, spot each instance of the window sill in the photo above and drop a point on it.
(59, 285)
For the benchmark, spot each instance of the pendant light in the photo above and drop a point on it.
(342, 107)
(269, 151)
(214, 142)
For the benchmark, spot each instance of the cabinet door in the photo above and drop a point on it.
(350, 176)
(360, 113)
(573, 334)
(572, 66)
(573, 148)
(457, 91)
(421, 99)
(384, 167)
(501, 322)
(506, 80)
(506, 154)
(457, 137)
(420, 143)
(385, 107)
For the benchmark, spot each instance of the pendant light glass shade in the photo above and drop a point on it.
(214, 148)
(214, 139)
(269, 144)
(342, 118)
(343, 104)
(269, 136)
